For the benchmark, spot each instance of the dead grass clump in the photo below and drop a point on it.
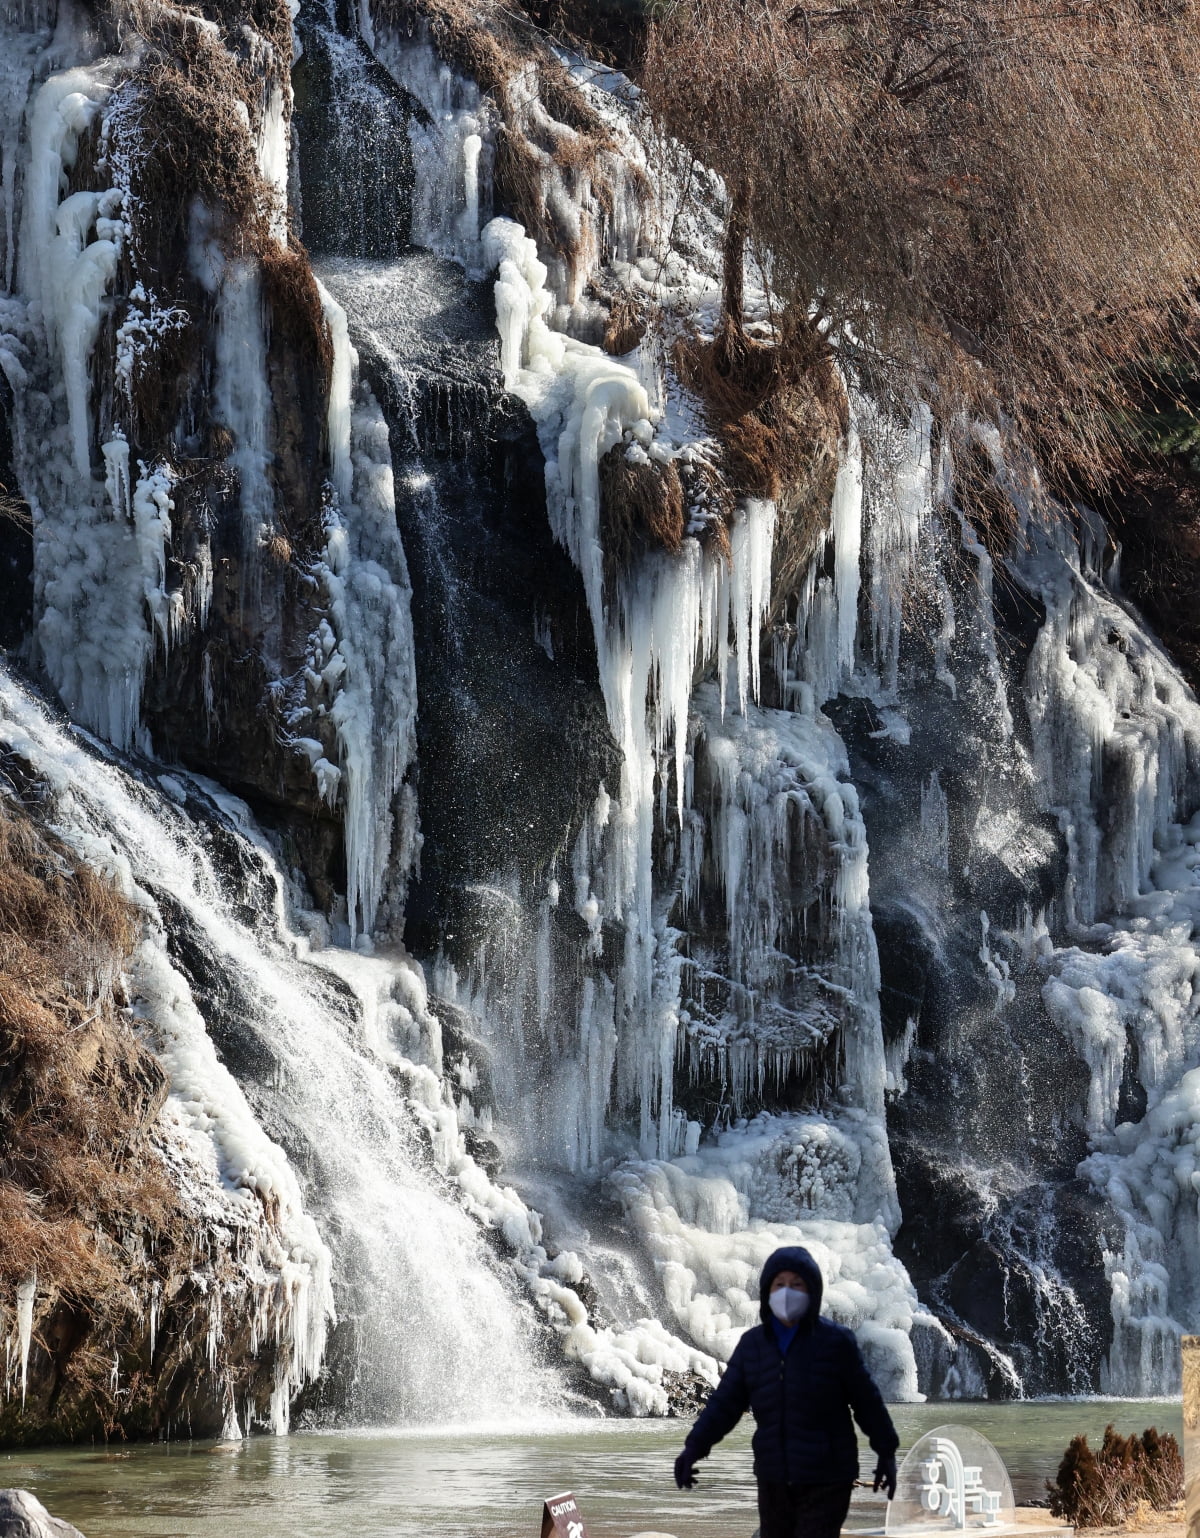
(76, 1090)
(642, 508)
(1107, 1488)
(184, 138)
(517, 179)
(627, 323)
(575, 155)
(780, 413)
(294, 306)
(562, 100)
(778, 408)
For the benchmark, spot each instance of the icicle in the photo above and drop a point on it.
(26, 1291)
(155, 1289)
(472, 147)
(846, 527)
(935, 823)
(373, 673)
(242, 397)
(274, 154)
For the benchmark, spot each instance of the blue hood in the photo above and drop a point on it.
(792, 1258)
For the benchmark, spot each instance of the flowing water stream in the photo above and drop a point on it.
(413, 1484)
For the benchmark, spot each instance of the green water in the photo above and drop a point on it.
(491, 1482)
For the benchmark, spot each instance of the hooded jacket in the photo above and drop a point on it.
(802, 1400)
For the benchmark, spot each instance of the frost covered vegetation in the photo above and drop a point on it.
(598, 714)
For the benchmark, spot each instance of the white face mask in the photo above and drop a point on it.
(788, 1304)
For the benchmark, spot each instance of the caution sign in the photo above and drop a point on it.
(562, 1518)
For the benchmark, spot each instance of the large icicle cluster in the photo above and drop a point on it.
(97, 539)
(373, 668)
(764, 773)
(1117, 744)
(711, 1218)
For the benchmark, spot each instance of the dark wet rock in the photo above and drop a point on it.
(687, 1393)
(512, 735)
(356, 170)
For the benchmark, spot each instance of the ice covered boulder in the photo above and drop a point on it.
(23, 1516)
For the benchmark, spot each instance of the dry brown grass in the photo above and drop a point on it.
(178, 125)
(627, 324)
(642, 507)
(517, 181)
(1191, 1383)
(294, 304)
(1003, 199)
(76, 1091)
(780, 413)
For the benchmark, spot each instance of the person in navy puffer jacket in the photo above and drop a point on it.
(802, 1377)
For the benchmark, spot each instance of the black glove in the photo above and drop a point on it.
(685, 1470)
(885, 1475)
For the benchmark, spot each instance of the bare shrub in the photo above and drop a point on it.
(1002, 199)
(1106, 1488)
(15, 509)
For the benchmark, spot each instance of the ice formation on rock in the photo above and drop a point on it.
(687, 1035)
(372, 670)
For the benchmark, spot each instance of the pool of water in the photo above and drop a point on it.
(491, 1481)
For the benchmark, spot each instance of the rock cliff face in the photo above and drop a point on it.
(571, 787)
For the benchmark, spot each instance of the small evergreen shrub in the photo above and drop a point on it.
(1103, 1489)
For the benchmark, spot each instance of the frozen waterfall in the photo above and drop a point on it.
(333, 1112)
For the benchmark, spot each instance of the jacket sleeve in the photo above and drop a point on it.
(726, 1405)
(867, 1404)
